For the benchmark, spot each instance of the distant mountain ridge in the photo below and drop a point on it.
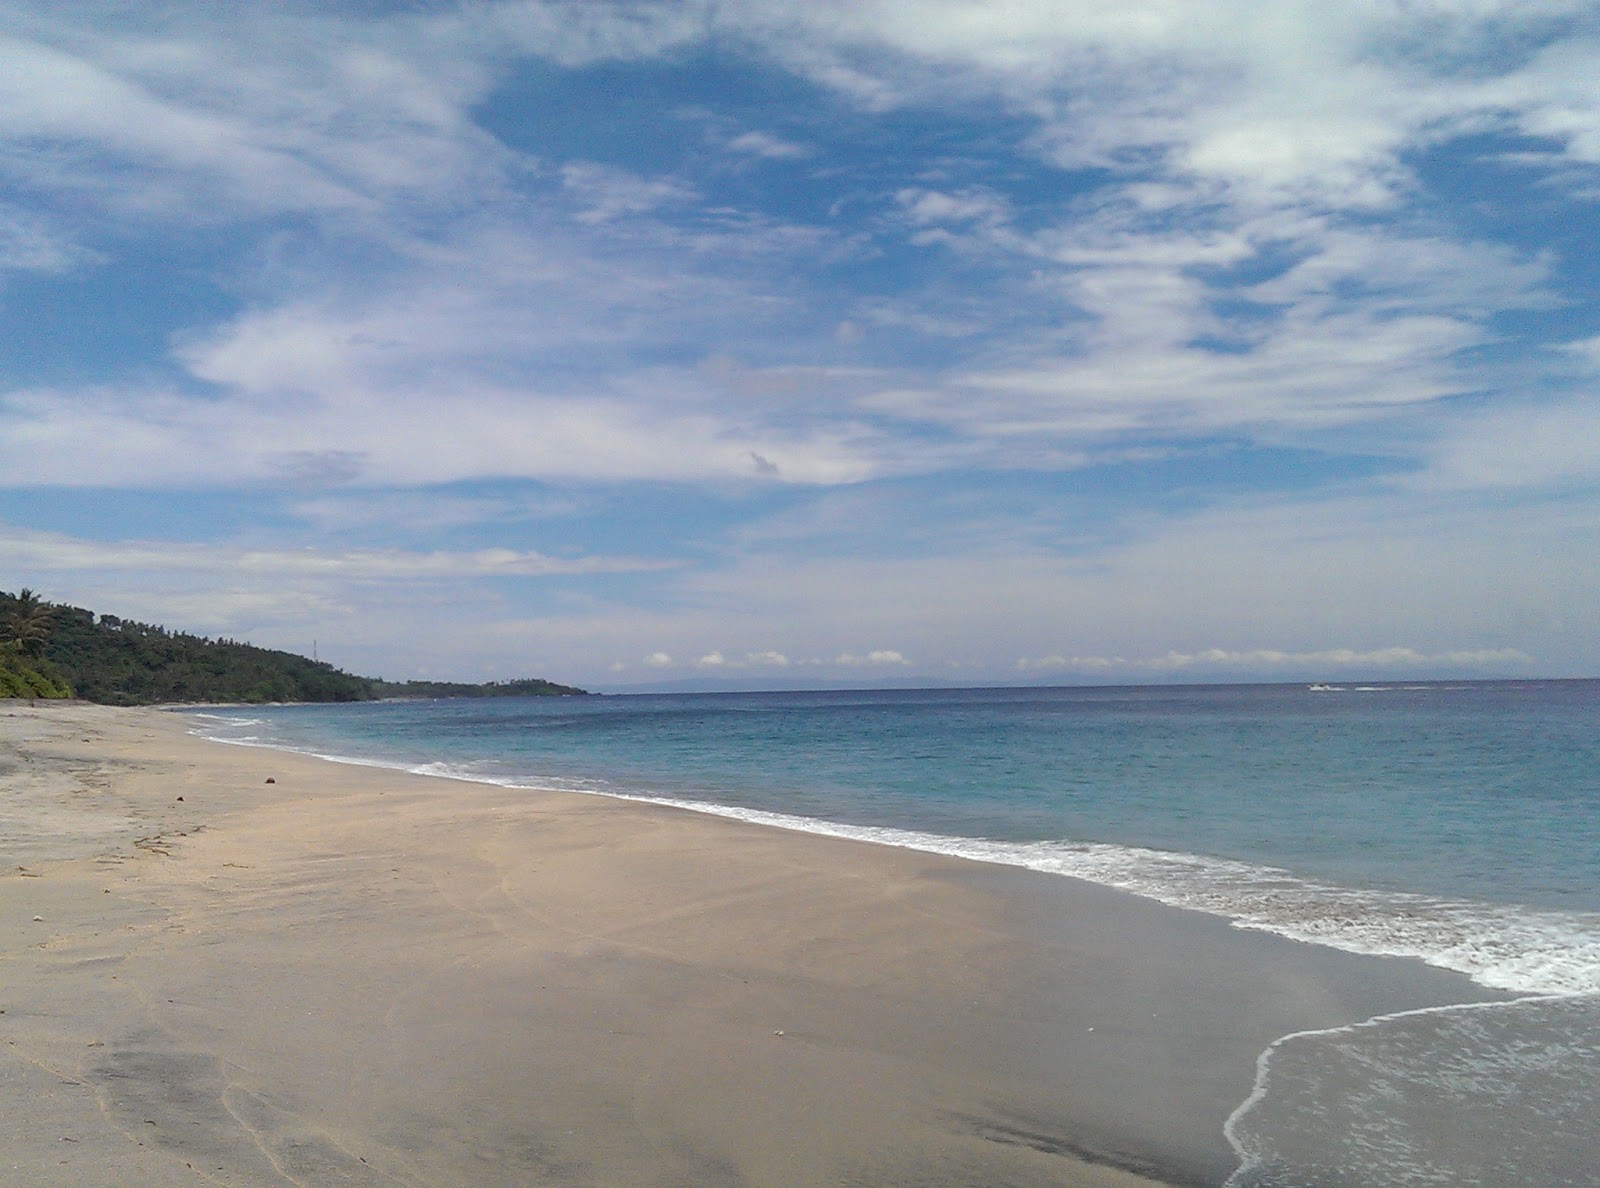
(66, 651)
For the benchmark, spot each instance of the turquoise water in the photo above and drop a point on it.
(1455, 823)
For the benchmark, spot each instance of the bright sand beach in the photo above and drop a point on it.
(226, 965)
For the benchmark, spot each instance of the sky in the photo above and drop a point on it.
(759, 344)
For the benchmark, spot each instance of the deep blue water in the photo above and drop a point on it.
(1457, 823)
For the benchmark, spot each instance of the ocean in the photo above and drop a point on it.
(1454, 823)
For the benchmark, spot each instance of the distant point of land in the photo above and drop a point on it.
(50, 650)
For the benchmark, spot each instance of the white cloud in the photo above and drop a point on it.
(604, 193)
(773, 148)
(1546, 445)
(396, 564)
(935, 208)
(433, 306)
(1312, 369)
(1313, 103)
(1056, 663)
(717, 661)
(571, 34)
(1365, 323)
(51, 552)
(1357, 324)
(1553, 96)
(904, 315)
(210, 122)
(221, 611)
(1390, 272)
(1294, 576)
(877, 657)
(49, 93)
(379, 379)
(1297, 103)
(1269, 659)
(424, 511)
(1587, 352)
(1397, 583)
(28, 244)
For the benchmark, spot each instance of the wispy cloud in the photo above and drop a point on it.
(1546, 446)
(773, 148)
(55, 553)
(877, 658)
(604, 194)
(1302, 295)
(1270, 660)
(424, 512)
(194, 120)
(1364, 322)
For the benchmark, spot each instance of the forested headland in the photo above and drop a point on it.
(50, 650)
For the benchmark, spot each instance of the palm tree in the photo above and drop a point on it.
(26, 625)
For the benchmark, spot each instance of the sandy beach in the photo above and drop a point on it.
(229, 965)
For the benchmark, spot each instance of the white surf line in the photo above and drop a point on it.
(1069, 859)
(1264, 1060)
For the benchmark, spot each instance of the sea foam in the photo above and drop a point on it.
(1483, 1094)
(1502, 947)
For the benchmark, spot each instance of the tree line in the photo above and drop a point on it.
(49, 650)
(24, 633)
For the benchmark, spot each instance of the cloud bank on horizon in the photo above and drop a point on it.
(733, 340)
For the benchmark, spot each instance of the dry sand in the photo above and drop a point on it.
(356, 976)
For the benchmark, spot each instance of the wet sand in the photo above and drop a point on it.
(356, 976)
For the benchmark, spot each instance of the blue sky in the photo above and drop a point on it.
(767, 344)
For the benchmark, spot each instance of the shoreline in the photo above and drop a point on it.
(357, 974)
(1514, 949)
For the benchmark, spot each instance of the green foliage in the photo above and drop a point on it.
(122, 662)
(64, 651)
(25, 629)
(530, 687)
(25, 623)
(21, 677)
